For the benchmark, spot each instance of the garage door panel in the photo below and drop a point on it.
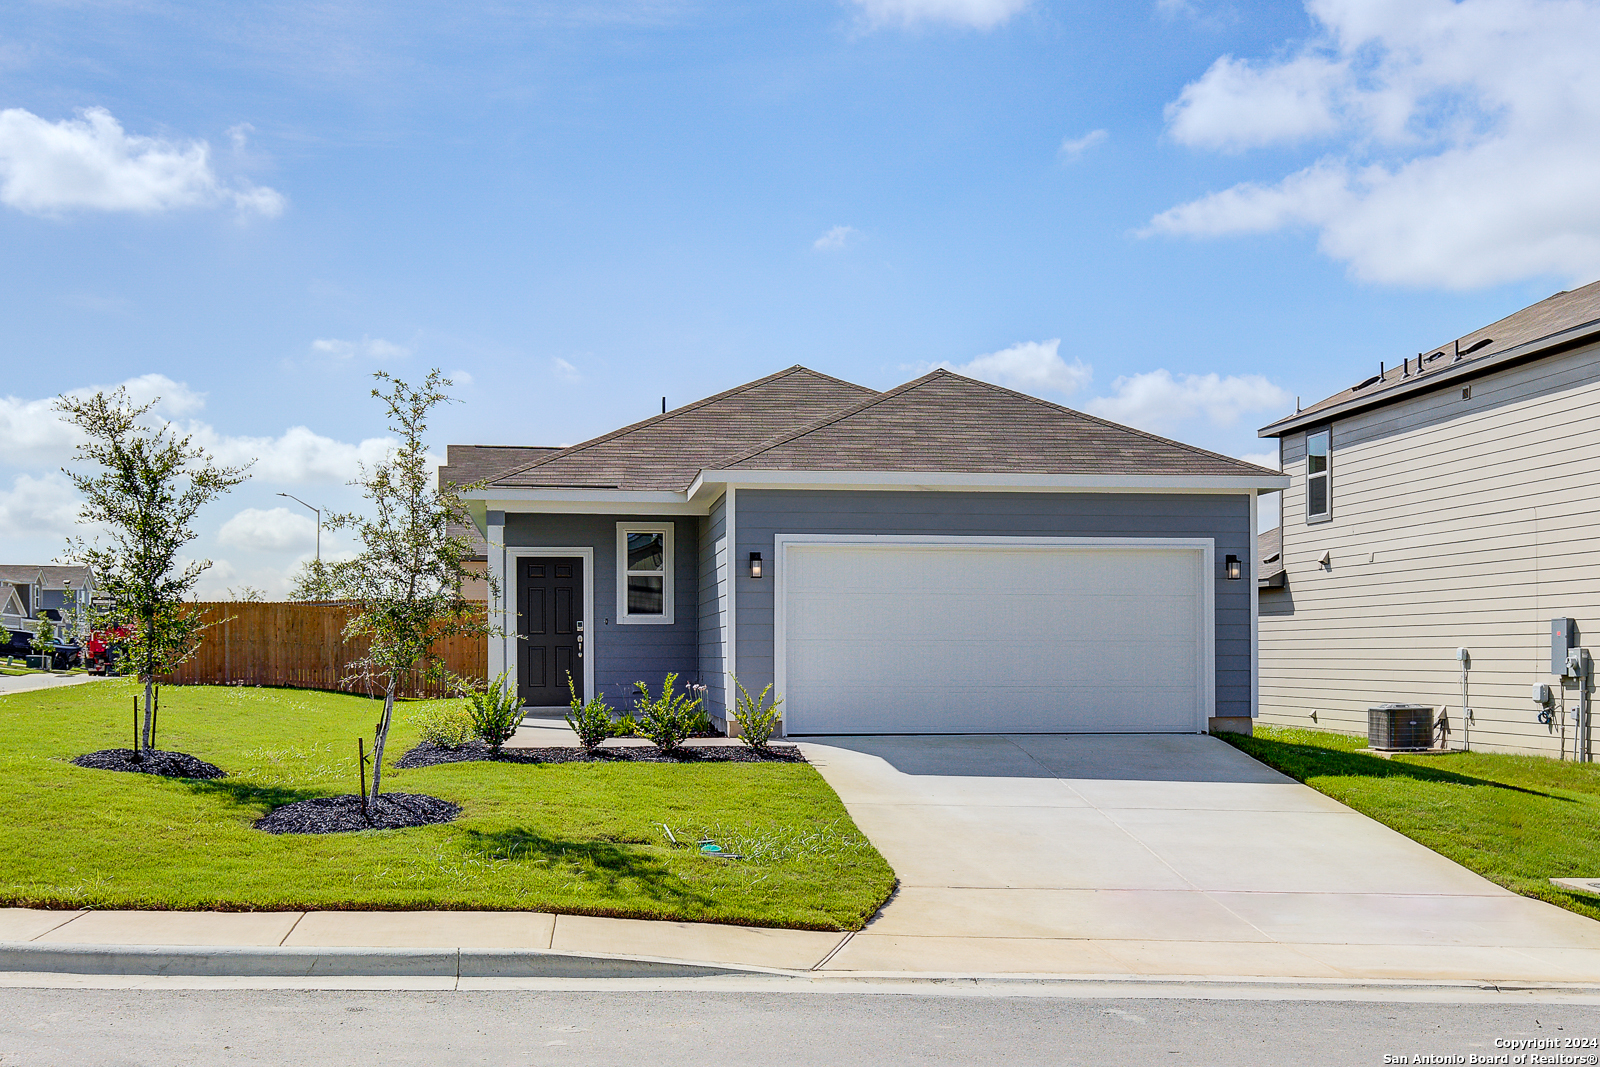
(942, 639)
(949, 662)
(932, 615)
(1017, 710)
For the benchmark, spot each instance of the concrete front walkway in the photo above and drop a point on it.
(1164, 855)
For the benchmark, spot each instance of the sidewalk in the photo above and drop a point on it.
(26, 683)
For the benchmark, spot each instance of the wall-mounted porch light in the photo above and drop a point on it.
(755, 564)
(1234, 567)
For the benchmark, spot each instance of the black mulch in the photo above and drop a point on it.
(166, 764)
(336, 815)
(428, 754)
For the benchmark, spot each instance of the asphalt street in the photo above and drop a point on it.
(108, 1028)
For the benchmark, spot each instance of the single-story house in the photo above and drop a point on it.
(944, 557)
(1444, 502)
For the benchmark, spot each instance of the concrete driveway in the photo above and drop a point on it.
(1163, 855)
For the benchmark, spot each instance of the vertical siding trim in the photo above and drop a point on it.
(1255, 611)
(730, 658)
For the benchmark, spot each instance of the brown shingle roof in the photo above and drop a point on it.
(944, 422)
(665, 452)
(1563, 311)
(465, 464)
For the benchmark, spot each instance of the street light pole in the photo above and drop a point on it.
(318, 512)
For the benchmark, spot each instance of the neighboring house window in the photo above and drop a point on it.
(644, 573)
(1319, 498)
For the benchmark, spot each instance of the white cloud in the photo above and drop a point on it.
(1074, 147)
(1157, 401)
(461, 377)
(834, 239)
(565, 371)
(1030, 366)
(33, 435)
(44, 507)
(1262, 459)
(370, 347)
(297, 456)
(270, 530)
(980, 14)
(1460, 140)
(91, 163)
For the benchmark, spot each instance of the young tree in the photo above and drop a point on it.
(150, 485)
(44, 639)
(406, 580)
(313, 581)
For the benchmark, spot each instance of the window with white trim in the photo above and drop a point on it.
(644, 572)
(1319, 476)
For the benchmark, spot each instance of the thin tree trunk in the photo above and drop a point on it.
(149, 686)
(149, 704)
(383, 735)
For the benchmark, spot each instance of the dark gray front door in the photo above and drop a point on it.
(549, 629)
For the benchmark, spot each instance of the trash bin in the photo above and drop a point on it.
(1400, 727)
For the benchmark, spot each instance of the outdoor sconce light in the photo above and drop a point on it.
(755, 564)
(1234, 567)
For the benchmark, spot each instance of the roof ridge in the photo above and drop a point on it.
(827, 420)
(939, 372)
(654, 419)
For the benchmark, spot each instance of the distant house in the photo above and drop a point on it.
(62, 593)
(943, 557)
(1447, 502)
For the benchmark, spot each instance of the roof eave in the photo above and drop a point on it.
(1553, 344)
(709, 481)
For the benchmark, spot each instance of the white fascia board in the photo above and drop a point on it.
(586, 502)
(708, 482)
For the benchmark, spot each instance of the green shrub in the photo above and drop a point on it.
(447, 725)
(625, 726)
(591, 721)
(669, 718)
(757, 718)
(496, 711)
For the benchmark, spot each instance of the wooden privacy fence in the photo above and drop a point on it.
(302, 646)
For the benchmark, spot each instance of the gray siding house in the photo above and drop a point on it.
(1444, 503)
(61, 592)
(943, 557)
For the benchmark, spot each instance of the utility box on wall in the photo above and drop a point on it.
(1563, 635)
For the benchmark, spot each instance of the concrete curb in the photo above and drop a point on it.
(207, 962)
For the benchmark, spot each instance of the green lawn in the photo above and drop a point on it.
(577, 838)
(1517, 820)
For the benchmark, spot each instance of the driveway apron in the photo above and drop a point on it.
(1163, 855)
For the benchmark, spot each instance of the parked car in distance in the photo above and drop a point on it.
(63, 654)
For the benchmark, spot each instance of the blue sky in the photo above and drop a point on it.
(1178, 214)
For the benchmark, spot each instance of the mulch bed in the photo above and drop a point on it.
(166, 764)
(337, 815)
(428, 754)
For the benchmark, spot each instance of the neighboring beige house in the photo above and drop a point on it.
(1450, 502)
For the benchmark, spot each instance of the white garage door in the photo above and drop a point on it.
(985, 638)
